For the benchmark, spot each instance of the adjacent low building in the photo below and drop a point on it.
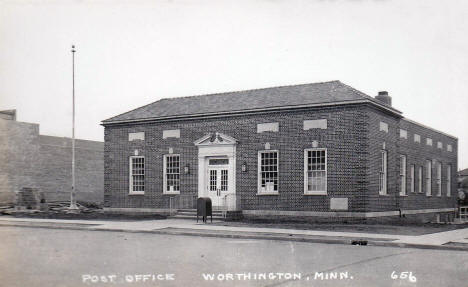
(313, 150)
(43, 163)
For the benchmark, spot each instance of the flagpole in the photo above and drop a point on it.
(73, 205)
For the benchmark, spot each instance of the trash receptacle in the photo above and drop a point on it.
(204, 208)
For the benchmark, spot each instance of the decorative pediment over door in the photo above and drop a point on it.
(215, 139)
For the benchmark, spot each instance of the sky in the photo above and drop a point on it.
(131, 53)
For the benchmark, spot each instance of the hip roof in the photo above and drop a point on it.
(282, 97)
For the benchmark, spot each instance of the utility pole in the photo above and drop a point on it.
(73, 205)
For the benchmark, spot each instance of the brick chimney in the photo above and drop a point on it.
(384, 98)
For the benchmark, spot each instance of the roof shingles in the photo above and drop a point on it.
(284, 96)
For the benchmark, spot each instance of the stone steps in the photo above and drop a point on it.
(192, 214)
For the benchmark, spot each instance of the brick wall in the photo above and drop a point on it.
(54, 175)
(44, 162)
(416, 153)
(353, 141)
(345, 140)
(19, 157)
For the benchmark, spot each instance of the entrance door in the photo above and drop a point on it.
(218, 185)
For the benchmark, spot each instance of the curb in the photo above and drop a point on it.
(222, 234)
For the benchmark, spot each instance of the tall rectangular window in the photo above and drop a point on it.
(439, 179)
(420, 180)
(137, 175)
(412, 178)
(383, 173)
(171, 173)
(428, 178)
(268, 171)
(402, 174)
(449, 180)
(315, 168)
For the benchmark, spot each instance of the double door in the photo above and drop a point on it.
(218, 184)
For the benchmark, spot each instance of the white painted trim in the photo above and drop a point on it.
(259, 173)
(227, 140)
(226, 148)
(306, 178)
(165, 173)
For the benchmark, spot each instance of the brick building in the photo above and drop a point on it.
(31, 160)
(322, 149)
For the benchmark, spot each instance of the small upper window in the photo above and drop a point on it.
(429, 141)
(439, 145)
(417, 138)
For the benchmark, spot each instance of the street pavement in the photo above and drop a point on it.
(454, 239)
(44, 256)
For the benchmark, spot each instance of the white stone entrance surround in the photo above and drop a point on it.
(216, 145)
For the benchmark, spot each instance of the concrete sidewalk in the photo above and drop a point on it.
(452, 240)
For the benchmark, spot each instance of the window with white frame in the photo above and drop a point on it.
(383, 173)
(449, 180)
(268, 171)
(171, 173)
(137, 175)
(315, 168)
(420, 176)
(402, 174)
(428, 177)
(439, 179)
(412, 178)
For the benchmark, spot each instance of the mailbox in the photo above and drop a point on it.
(204, 208)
